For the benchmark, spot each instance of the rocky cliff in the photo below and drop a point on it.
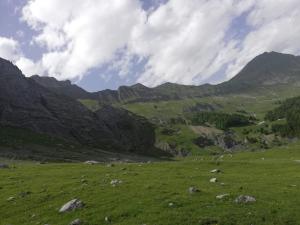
(26, 104)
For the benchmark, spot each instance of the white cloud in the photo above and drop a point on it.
(275, 27)
(9, 48)
(28, 67)
(82, 34)
(183, 41)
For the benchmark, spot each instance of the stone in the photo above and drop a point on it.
(215, 171)
(193, 190)
(116, 182)
(222, 196)
(171, 204)
(91, 162)
(244, 199)
(76, 222)
(213, 180)
(71, 205)
(10, 199)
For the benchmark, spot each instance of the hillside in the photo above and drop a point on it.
(26, 105)
(266, 80)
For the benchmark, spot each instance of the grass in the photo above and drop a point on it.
(256, 102)
(147, 190)
(91, 104)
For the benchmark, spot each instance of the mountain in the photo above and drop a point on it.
(267, 69)
(62, 87)
(25, 104)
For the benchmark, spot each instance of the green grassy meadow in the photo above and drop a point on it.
(147, 189)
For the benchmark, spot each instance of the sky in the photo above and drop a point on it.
(100, 44)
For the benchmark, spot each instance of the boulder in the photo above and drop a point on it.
(193, 190)
(171, 204)
(71, 205)
(244, 199)
(116, 182)
(76, 222)
(10, 199)
(213, 180)
(91, 162)
(222, 196)
(215, 171)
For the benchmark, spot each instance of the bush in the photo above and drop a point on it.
(220, 120)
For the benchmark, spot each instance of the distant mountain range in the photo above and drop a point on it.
(266, 69)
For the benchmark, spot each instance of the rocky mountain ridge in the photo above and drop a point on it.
(267, 69)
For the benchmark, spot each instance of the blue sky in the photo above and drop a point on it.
(101, 44)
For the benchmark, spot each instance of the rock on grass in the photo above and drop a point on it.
(71, 206)
(222, 196)
(193, 190)
(213, 180)
(76, 222)
(215, 171)
(244, 199)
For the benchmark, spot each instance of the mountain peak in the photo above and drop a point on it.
(50, 82)
(62, 87)
(8, 68)
(269, 68)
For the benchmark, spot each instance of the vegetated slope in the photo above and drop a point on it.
(287, 117)
(26, 104)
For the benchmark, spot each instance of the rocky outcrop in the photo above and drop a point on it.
(133, 133)
(172, 149)
(26, 104)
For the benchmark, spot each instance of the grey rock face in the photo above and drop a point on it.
(63, 87)
(26, 104)
(134, 133)
(71, 206)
